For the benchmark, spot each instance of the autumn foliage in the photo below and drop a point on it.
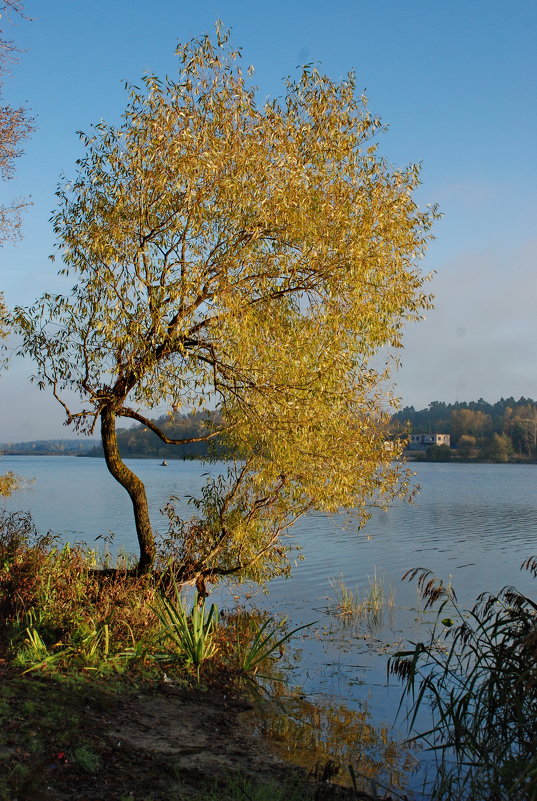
(249, 258)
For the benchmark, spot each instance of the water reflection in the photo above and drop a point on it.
(321, 733)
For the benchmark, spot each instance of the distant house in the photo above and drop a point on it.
(420, 442)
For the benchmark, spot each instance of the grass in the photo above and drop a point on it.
(481, 687)
(368, 606)
(245, 788)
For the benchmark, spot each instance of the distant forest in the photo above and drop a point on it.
(140, 442)
(499, 432)
(479, 430)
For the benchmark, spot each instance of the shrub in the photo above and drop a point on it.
(439, 453)
(55, 601)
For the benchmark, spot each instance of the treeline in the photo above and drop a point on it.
(48, 447)
(141, 443)
(478, 430)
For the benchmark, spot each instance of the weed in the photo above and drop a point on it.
(86, 758)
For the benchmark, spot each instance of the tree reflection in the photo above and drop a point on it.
(313, 735)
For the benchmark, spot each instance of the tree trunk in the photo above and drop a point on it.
(134, 486)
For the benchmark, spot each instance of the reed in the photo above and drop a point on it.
(368, 606)
(481, 687)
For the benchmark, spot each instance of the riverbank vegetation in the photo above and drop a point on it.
(119, 685)
(61, 608)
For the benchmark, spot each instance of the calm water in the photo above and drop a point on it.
(471, 524)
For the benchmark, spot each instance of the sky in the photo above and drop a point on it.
(455, 82)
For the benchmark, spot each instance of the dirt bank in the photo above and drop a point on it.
(93, 740)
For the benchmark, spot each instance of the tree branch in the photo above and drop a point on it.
(126, 412)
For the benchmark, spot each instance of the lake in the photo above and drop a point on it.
(471, 524)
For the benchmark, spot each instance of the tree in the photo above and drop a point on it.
(521, 425)
(247, 259)
(471, 422)
(15, 125)
(8, 481)
(498, 447)
(467, 447)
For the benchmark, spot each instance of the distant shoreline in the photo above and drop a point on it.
(409, 457)
(413, 457)
(98, 455)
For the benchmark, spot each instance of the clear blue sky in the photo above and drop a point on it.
(454, 81)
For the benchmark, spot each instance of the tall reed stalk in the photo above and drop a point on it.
(480, 679)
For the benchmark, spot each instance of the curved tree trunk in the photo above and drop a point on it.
(134, 486)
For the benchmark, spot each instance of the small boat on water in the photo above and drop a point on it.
(164, 463)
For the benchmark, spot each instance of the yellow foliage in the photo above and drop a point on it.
(248, 257)
(9, 481)
(8, 484)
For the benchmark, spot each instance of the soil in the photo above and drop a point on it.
(86, 741)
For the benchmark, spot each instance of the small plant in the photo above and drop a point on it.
(482, 690)
(268, 638)
(86, 759)
(33, 653)
(192, 635)
(92, 643)
(368, 606)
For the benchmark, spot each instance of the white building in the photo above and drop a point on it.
(420, 442)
